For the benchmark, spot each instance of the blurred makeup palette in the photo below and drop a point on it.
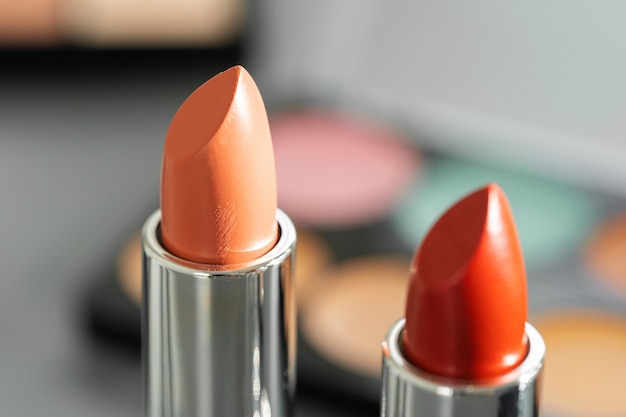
(115, 23)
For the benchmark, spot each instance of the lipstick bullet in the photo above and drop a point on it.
(464, 348)
(218, 311)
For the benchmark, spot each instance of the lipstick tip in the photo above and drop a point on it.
(202, 113)
(466, 308)
(218, 181)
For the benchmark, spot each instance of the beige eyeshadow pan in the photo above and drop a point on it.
(152, 23)
(312, 255)
(585, 363)
(362, 298)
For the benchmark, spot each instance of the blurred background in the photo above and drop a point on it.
(382, 113)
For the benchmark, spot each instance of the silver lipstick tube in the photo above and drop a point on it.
(218, 340)
(408, 391)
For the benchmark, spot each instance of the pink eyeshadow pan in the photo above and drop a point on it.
(339, 170)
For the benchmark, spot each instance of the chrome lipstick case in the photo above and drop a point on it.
(218, 340)
(408, 391)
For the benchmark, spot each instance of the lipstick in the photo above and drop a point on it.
(218, 311)
(464, 348)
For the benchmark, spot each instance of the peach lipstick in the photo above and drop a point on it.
(218, 184)
(218, 311)
(464, 348)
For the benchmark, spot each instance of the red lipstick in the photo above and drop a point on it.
(466, 307)
(464, 348)
(218, 310)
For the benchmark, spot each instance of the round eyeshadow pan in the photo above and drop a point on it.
(585, 363)
(312, 256)
(348, 321)
(338, 170)
(605, 253)
(552, 219)
(129, 268)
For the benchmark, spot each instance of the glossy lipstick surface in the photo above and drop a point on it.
(218, 297)
(467, 298)
(218, 181)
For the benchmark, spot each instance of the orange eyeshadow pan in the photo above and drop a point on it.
(605, 253)
(585, 363)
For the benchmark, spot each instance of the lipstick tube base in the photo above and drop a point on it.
(408, 391)
(218, 341)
